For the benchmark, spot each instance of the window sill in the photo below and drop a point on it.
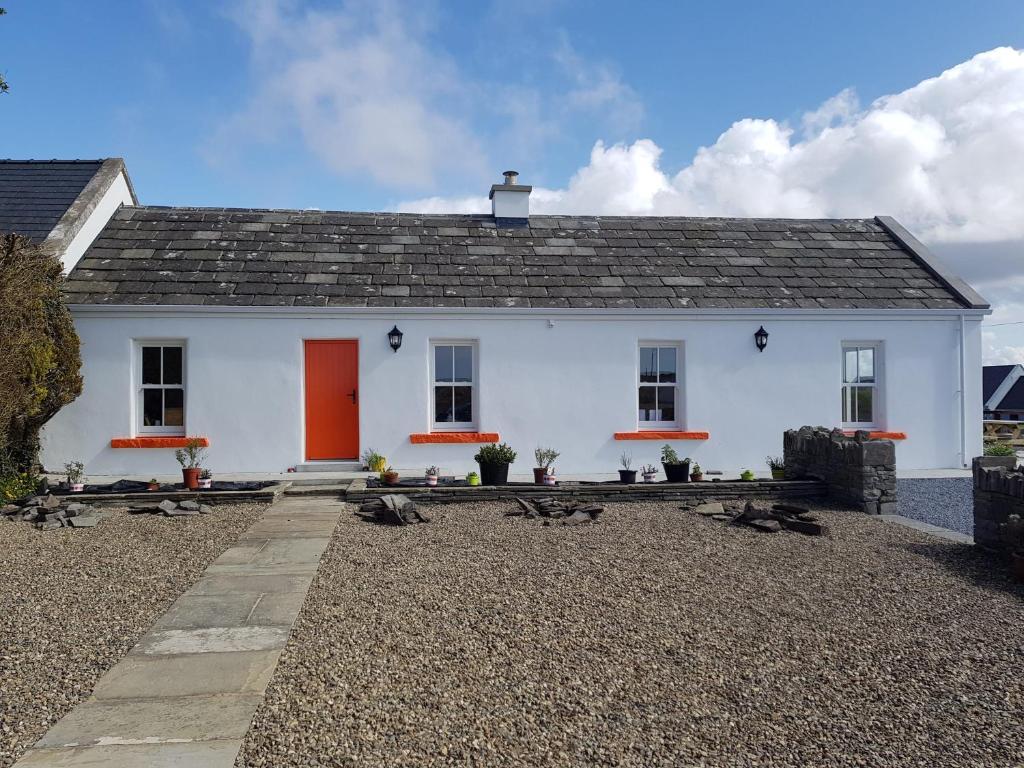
(877, 434)
(662, 435)
(156, 442)
(454, 437)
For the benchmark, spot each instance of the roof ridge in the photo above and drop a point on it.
(42, 161)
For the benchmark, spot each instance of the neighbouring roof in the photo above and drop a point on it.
(35, 194)
(206, 256)
(991, 377)
(1014, 399)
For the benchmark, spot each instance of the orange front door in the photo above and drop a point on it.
(332, 399)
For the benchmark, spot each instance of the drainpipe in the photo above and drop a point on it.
(963, 396)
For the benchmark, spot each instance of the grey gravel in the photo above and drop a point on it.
(654, 637)
(946, 502)
(73, 602)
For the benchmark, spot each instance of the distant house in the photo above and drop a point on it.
(302, 338)
(62, 204)
(1003, 392)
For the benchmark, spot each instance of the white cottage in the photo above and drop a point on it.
(301, 338)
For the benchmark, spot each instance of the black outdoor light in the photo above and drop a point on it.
(395, 338)
(761, 338)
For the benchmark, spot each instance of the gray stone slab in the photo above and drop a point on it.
(211, 640)
(933, 530)
(281, 569)
(226, 584)
(203, 754)
(138, 676)
(119, 723)
(195, 611)
(277, 609)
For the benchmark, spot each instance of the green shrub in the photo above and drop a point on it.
(1000, 449)
(16, 485)
(495, 454)
(39, 351)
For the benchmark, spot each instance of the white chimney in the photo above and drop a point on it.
(510, 200)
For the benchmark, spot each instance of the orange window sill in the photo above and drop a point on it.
(879, 435)
(652, 435)
(156, 442)
(454, 437)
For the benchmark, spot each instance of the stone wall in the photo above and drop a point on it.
(998, 504)
(857, 470)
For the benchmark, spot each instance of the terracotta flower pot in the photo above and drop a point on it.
(696, 477)
(191, 477)
(152, 486)
(391, 478)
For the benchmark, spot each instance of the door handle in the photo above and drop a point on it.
(355, 396)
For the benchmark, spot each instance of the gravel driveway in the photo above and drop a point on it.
(947, 502)
(655, 637)
(74, 601)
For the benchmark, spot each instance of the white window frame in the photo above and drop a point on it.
(878, 386)
(455, 426)
(140, 427)
(654, 426)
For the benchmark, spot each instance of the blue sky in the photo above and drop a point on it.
(359, 105)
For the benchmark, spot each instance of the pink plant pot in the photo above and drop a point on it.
(77, 487)
(550, 480)
(431, 479)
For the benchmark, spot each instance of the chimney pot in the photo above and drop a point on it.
(511, 177)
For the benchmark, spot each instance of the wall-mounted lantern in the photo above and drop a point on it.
(395, 338)
(761, 338)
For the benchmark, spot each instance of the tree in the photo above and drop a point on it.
(3, 83)
(40, 362)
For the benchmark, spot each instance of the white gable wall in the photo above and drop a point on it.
(117, 194)
(560, 379)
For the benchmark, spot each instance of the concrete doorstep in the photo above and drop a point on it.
(186, 693)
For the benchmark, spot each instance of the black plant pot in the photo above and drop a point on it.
(627, 476)
(677, 473)
(493, 474)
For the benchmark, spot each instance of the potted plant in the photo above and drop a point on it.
(432, 474)
(747, 475)
(676, 471)
(778, 467)
(76, 471)
(549, 476)
(373, 461)
(389, 476)
(627, 475)
(544, 457)
(696, 473)
(153, 485)
(494, 461)
(190, 458)
(473, 478)
(205, 479)
(648, 471)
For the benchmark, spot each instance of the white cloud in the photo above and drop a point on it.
(367, 89)
(360, 86)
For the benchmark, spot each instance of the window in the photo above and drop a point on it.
(861, 402)
(658, 384)
(453, 386)
(161, 392)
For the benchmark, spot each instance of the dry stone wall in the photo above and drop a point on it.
(998, 504)
(857, 470)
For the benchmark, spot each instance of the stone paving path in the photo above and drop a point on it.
(186, 693)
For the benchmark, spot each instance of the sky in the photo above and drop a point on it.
(791, 108)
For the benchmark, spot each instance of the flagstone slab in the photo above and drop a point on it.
(211, 640)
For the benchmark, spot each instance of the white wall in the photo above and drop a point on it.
(569, 386)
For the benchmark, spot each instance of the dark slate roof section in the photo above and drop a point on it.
(204, 256)
(991, 377)
(1014, 399)
(34, 194)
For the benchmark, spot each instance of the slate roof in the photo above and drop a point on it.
(34, 194)
(1014, 399)
(991, 377)
(206, 256)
